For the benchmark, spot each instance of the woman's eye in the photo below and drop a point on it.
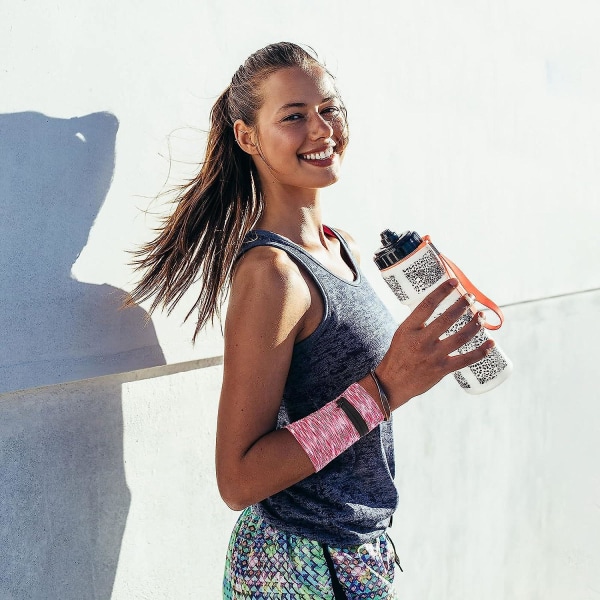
(294, 117)
(331, 112)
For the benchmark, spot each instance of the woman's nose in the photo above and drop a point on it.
(320, 127)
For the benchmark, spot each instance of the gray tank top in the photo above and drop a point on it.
(351, 500)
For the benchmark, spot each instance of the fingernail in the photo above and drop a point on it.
(454, 282)
(470, 298)
(481, 318)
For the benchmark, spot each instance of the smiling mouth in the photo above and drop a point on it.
(323, 155)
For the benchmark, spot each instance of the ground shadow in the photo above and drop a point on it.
(64, 496)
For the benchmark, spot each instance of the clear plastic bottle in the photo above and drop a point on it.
(413, 267)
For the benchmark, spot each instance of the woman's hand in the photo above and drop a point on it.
(417, 359)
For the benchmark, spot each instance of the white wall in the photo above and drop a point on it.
(471, 121)
(500, 492)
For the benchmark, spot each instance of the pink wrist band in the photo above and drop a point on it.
(329, 431)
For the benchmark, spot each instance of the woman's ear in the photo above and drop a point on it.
(244, 136)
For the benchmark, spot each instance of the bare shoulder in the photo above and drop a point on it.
(269, 285)
(269, 268)
(354, 248)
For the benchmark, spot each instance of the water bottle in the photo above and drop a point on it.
(413, 267)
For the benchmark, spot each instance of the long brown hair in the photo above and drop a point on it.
(214, 211)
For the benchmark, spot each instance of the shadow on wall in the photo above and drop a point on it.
(54, 177)
(65, 499)
(64, 496)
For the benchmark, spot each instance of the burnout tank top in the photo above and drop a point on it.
(351, 500)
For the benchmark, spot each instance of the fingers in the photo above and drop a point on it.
(420, 354)
(450, 316)
(428, 305)
(465, 334)
(460, 361)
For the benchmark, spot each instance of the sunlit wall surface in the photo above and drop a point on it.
(474, 122)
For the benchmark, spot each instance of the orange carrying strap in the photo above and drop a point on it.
(454, 271)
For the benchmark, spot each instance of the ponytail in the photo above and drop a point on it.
(203, 236)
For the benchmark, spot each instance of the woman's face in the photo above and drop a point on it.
(299, 129)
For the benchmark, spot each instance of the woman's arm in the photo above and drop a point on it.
(267, 310)
(267, 313)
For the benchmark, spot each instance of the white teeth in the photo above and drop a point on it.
(319, 155)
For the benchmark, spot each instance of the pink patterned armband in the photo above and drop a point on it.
(327, 432)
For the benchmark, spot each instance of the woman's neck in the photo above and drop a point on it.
(296, 218)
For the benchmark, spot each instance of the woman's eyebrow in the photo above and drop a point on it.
(303, 104)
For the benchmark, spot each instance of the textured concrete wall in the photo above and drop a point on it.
(499, 493)
(473, 122)
(108, 488)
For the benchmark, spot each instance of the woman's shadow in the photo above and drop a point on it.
(64, 497)
(54, 177)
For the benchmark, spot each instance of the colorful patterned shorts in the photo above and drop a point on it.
(266, 563)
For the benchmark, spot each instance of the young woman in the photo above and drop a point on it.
(314, 364)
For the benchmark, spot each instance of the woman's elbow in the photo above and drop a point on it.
(235, 503)
(235, 496)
